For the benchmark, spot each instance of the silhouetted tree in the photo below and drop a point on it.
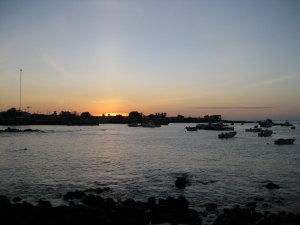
(151, 116)
(11, 113)
(85, 115)
(66, 114)
(161, 115)
(135, 116)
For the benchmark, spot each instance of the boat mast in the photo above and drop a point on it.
(20, 89)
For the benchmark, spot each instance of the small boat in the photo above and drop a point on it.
(133, 125)
(266, 123)
(265, 133)
(191, 128)
(293, 127)
(150, 125)
(286, 124)
(214, 126)
(255, 129)
(227, 135)
(282, 141)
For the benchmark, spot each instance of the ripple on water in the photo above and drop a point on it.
(141, 163)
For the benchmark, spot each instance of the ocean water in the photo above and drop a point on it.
(143, 162)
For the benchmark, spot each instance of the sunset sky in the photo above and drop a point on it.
(237, 58)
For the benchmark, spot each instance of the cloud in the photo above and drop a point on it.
(52, 63)
(237, 107)
(275, 80)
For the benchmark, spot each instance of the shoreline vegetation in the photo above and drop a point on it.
(17, 117)
(88, 207)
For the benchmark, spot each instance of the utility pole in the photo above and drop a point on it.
(20, 89)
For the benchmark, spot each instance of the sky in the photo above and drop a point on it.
(236, 58)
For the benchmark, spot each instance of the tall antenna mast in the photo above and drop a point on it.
(20, 89)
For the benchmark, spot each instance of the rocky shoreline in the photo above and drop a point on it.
(88, 207)
(15, 130)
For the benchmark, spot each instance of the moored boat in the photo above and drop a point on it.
(286, 124)
(214, 126)
(265, 133)
(255, 130)
(266, 123)
(282, 141)
(227, 135)
(191, 128)
(134, 125)
(150, 125)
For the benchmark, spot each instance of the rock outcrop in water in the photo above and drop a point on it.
(245, 216)
(271, 185)
(15, 130)
(94, 209)
(182, 182)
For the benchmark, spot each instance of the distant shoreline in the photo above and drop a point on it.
(50, 123)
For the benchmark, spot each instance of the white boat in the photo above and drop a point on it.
(191, 128)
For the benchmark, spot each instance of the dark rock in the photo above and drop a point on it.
(129, 203)
(31, 130)
(19, 130)
(182, 203)
(271, 185)
(44, 204)
(4, 202)
(238, 216)
(265, 205)
(16, 199)
(74, 195)
(151, 202)
(203, 213)
(108, 212)
(181, 182)
(251, 204)
(170, 202)
(110, 203)
(98, 190)
(26, 205)
(173, 211)
(106, 189)
(211, 207)
(192, 217)
(162, 201)
(93, 201)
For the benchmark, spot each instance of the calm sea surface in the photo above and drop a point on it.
(143, 162)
